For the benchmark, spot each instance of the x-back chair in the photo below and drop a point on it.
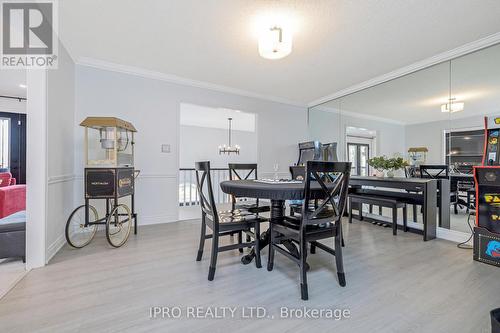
(328, 182)
(222, 224)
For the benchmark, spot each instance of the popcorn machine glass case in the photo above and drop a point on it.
(109, 142)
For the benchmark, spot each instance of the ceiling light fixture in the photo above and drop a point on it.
(452, 106)
(23, 86)
(229, 149)
(275, 42)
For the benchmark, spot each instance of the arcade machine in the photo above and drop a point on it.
(487, 179)
(330, 152)
(315, 151)
(309, 151)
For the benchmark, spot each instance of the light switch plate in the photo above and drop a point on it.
(165, 148)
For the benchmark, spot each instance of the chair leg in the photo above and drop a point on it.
(248, 241)
(394, 221)
(240, 240)
(270, 257)
(313, 248)
(257, 245)
(455, 208)
(414, 213)
(379, 210)
(405, 218)
(339, 260)
(350, 210)
(360, 210)
(213, 258)
(202, 239)
(303, 269)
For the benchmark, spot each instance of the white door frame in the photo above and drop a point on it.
(36, 168)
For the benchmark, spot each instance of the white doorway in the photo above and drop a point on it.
(360, 147)
(203, 129)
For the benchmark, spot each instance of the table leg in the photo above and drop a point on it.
(277, 214)
(429, 210)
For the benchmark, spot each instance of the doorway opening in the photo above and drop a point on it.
(360, 147)
(12, 179)
(204, 131)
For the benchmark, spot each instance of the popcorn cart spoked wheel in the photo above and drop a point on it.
(110, 176)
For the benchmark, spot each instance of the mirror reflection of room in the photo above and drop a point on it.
(439, 111)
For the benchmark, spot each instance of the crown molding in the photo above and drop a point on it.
(434, 60)
(149, 74)
(359, 115)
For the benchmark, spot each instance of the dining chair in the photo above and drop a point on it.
(245, 171)
(241, 171)
(222, 224)
(329, 182)
(441, 171)
(298, 172)
(412, 171)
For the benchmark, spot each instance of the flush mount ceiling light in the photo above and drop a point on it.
(453, 106)
(275, 42)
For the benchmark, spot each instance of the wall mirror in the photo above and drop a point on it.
(434, 116)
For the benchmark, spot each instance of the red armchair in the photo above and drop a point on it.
(12, 196)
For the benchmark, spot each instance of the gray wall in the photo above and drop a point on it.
(327, 126)
(152, 105)
(201, 144)
(431, 135)
(60, 150)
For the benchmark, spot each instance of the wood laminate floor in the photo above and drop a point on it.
(394, 284)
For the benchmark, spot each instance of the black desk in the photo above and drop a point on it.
(426, 196)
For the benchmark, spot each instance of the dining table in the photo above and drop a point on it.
(275, 191)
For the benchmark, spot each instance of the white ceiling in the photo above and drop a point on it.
(10, 79)
(336, 44)
(417, 98)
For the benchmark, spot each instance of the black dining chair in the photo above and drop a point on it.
(222, 224)
(329, 182)
(298, 172)
(242, 206)
(441, 171)
(412, 171)
(245, 171)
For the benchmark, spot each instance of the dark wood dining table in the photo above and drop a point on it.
(277, 193)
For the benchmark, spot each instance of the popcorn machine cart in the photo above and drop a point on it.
(109, 176)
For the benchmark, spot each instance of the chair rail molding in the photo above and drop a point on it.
(61, 179)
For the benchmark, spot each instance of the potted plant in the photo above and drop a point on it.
(382, 163)
(379, 164)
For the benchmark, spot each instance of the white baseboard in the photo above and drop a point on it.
(452, 235)
(441, 233)
(156, 219)
(55, 247)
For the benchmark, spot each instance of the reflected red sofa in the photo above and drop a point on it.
(12, 196)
